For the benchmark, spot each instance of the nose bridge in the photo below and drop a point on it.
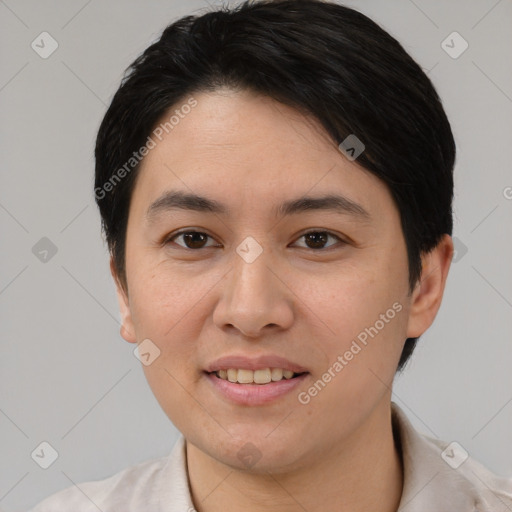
(251, 278)
(253, 296)
(251, 271)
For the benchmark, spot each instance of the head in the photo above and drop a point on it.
(230, 126)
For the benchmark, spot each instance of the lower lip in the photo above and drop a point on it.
(254, 394)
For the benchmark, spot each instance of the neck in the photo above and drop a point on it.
(364, 473)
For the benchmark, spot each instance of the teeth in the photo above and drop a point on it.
(263, 376)
(245, 376)
(276, 374)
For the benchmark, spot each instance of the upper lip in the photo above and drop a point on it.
(253, 363)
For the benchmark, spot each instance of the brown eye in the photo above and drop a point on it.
(191, 239)
(318, 239)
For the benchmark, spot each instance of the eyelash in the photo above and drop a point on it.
(173, 236)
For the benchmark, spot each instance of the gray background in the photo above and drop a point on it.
(68, 378)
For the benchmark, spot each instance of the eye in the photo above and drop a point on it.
(197, 239)
(192, 239)
(318, 239)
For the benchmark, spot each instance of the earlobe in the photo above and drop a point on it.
(127, 330)
(428, 293)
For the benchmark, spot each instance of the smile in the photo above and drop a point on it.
(263, 376)
(249, 392)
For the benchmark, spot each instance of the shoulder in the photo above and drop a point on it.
(490, 492)
(118, 489)
(136, 487)
(444, 476)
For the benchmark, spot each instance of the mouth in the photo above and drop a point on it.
(253, 388)
(258, 377)
(256, 380)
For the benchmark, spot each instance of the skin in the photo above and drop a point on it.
(304, 303)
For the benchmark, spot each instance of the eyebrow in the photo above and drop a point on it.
(179, 200)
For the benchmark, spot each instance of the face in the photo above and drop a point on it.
(323, 287)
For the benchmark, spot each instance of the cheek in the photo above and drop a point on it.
(365, 319)
(351, 300)
(163, 300)
(362, 358)
(169, 311)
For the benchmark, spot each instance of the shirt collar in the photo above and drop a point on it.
(430, 483)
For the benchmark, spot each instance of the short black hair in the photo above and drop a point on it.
(321, 58)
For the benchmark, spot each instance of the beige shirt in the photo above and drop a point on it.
(438, 477)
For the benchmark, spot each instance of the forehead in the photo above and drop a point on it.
(243, 148)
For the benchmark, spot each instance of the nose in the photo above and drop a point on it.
(255, 298)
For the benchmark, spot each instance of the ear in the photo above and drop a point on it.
(127, 330)
(428, 293)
